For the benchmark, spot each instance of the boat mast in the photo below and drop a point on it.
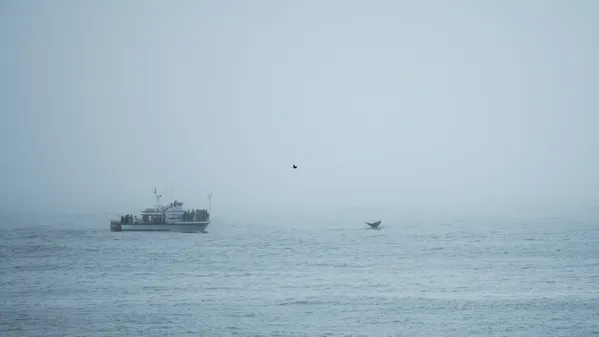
(209, 202)
(158, 196)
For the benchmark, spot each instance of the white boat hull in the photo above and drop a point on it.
(187, 227)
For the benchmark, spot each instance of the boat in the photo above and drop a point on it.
(165, 218)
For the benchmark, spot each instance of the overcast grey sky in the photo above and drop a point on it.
(427, 103)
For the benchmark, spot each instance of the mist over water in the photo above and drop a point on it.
(394, 104)
(470, 129)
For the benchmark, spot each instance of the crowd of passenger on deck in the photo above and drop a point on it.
(192, 215)
(128, 219)
(195, 215)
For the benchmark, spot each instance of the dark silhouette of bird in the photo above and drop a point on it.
(294, 166)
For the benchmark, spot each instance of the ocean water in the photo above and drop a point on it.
(71, 276)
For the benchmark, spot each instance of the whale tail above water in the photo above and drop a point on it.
(374, 224)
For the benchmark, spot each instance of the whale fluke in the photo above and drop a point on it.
(374, 224)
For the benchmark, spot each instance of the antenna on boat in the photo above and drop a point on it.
(209, 202)
(169, 193)
(157, 197)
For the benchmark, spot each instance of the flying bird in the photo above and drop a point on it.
(294, 166)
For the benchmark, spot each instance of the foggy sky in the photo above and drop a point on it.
(430, 104)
